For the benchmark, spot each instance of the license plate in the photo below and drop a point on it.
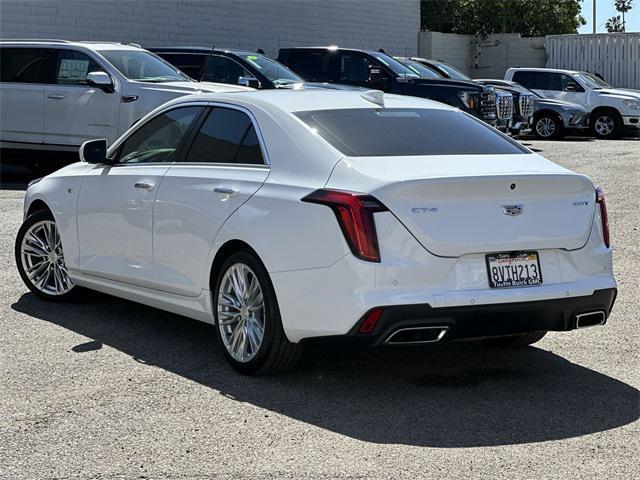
(514, 269)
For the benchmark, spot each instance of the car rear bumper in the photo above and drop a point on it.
(478, 321)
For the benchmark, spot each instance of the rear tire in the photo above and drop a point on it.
(515, 341)
(548, 127)
(251, 332)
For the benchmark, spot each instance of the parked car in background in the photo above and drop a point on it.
(552, 119)
(611, 110)
(409, 238)
(56, 94)
(231, 66)
(377, 70)
(520, 100)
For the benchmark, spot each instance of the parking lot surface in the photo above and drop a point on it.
(106, 388)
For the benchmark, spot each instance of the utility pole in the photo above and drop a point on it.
(595, 23)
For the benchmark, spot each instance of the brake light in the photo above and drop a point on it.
(354, 212)
(603, 215)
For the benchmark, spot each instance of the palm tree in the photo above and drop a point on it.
(623, 6)
(614, 25)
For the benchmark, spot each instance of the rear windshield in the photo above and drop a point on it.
(372, 132)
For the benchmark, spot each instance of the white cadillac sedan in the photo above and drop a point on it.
(284, 217)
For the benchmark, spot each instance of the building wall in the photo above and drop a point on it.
(251, 24)
(483, 57)
(614, 56)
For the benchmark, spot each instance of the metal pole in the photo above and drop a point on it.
(594, 16)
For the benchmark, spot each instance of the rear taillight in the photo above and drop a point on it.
(370, 320)
(354, 212)
(603, 215)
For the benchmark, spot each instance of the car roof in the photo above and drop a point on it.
(540, 69)
(317, 99)
(91, 45)
(333, 48)
(207, 50)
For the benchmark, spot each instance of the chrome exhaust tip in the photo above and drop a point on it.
(591, 319)
(417, 335)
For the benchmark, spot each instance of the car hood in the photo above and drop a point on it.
(196, 87)
(620, 93)
(447, 82)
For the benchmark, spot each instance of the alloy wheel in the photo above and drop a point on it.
(545, 127)
(43, 260)
(604, 125)
(241, 312)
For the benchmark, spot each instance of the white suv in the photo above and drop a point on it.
(56, 94)
(612, 110)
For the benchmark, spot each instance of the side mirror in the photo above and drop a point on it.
(573, 87)
(94, 151)
(377, 79)
(100, 80)
(249, 82)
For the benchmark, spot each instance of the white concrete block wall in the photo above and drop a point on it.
(483, 58)
(251, 24)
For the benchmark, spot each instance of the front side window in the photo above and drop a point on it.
(27, 65)
(143, 66)
(372, 132)
(354, 68)
(223, 70)
(73, 67)
(226, 136)
(158, 140)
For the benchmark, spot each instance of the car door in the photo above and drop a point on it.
(116, 202)
(75, 111)
(24, 71)
(224, 166)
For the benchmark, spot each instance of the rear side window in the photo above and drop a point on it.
(73, 67)
(158, 140)
(369, 132)
(226, 136)
(27, 65)
(540, 80)
(312, 66)
(189, 63)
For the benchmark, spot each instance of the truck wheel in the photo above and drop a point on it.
(548, 127)
(607, 124)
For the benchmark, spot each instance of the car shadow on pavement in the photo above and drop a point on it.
(453, 396)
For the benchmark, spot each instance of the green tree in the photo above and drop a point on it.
(614, 25)
(623, 6)
(531, 18)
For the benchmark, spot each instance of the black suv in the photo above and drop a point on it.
(377, 70)
(238, 67)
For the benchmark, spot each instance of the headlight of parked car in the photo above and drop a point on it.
(469, 99)
(632, 104)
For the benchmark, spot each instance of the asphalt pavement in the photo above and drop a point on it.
(106, 388)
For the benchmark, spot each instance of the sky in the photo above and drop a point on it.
(605, 10)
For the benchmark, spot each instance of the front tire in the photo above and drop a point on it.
(548, 127)
(248, 323)
(607, 125)
(40, 259)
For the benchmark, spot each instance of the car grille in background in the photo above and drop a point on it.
(505, 106)
(526, 106)
(488, 105)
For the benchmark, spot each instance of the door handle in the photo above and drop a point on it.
(231, 192)
(55, 96)
(144, 186)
